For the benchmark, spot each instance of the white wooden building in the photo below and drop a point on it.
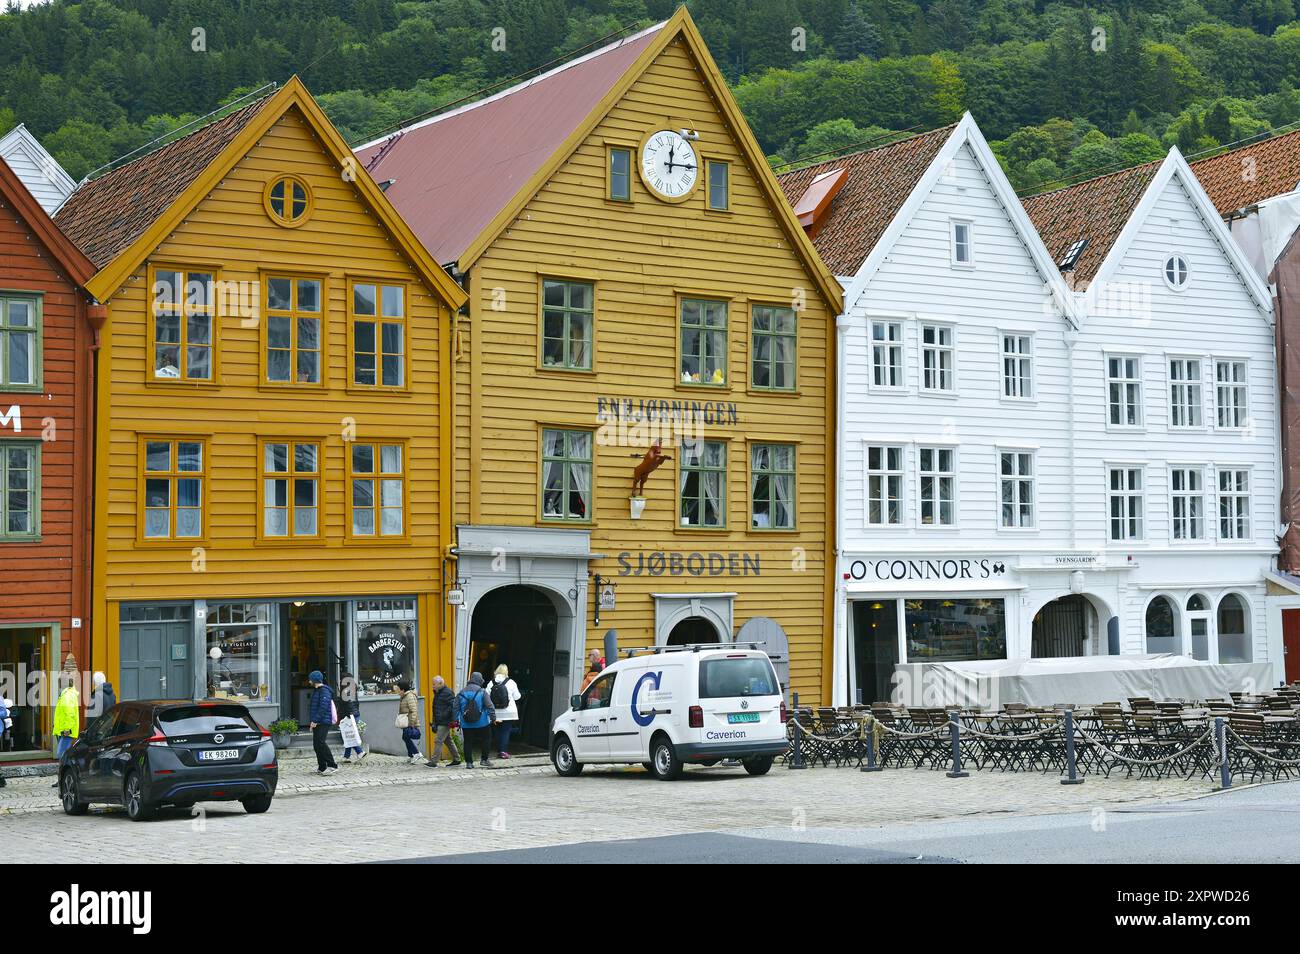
(45, 179)
(1031, 468)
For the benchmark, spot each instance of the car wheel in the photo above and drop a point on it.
(70, 795)
(137, 809)
(256, 804)
(759, 765)
(664, 763)
(565, 760)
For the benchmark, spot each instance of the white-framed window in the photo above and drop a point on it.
(963, 242)
(884, 485)
(1017, 491)
(887, 354)
(1187, 503)
(1125, 505)
(1176, 271)
(1017, 365)
(1185, 402)
(937, 468)
(938, 358)
(1124, 390)
(1231, 394)
(1234, 503)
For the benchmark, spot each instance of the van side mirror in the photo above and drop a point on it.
(575, 702)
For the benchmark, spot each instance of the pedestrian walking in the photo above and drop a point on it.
(349, 708)
(102, 698)
(504, 695)
(444, 722)
(593, 670)
(67, 716)
(408, 719)
(475, 713)
(322, 715)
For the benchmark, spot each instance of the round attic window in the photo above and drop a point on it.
(1176, 272)
(288, 201)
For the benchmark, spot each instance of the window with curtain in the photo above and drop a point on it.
(20, 359)
(1234, 504)
(887, 354)
(1017, 489)
(1124, 390)
(1232, 409)
(703, 476)
(772, 486)
(1126, 503)
(938, 472)
(173, 473)
(20, 500)
(293, 330)
(182, 329)
(567, 318)
(704, 341)
(1184, 392)
(377, 500)
(378, 335)
(566, 474)
(290, 489)
(884, 485)
(773, 348)
(1187, 495)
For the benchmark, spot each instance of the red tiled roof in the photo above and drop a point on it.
(1251, 173)
(879, 182)
(106, 215)
(1096, 210)
(453, 173)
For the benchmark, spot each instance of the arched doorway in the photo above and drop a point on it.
(1162, 627)
(693, 629)
(1065, 627)
(517, 625)
(1198, 625)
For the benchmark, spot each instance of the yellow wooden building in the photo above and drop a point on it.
(634, 275)
(273, 404)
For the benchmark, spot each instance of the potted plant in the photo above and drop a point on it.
(281, 730)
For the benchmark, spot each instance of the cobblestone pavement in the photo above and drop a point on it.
(385, 810)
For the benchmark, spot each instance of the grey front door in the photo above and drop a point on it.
(156, 661)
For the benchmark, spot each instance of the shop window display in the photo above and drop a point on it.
(955, 630)
(239, 651)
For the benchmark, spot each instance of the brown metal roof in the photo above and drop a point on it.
(878, 183)
(453, 173)
(106, 215)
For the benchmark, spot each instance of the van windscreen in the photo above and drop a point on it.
(744, 676)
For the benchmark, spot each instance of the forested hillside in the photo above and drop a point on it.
(1065, 89)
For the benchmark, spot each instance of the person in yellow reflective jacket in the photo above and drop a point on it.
(67, 719)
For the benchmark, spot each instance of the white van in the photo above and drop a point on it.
(676, 705)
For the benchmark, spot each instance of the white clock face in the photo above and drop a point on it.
(669, 166)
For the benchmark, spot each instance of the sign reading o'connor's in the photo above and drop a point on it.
(911, 569)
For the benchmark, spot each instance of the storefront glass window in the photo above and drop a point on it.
(1161, 634)
(955, 630)
(386, 637)
(239, 651)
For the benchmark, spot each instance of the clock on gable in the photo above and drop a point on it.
(669, 165)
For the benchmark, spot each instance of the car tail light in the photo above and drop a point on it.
(697, 717)
(785, 713)
(164, 771)
(266, 733)
(157, 739)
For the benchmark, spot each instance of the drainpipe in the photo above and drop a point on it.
(839, 639)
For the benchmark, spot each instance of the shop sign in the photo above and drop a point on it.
(1075, 559)
(456, 597)
(650, 411)
(676, 563)
(911, 570)
(607, 599)
(384, 651)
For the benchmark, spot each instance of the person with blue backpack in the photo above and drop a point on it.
(475, 712)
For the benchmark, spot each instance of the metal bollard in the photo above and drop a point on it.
(797, 762)
(871, 765)
(955, 727)
(1071, 770)
(1221, 743)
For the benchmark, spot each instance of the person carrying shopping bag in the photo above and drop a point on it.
(350, 719)
(408, 719)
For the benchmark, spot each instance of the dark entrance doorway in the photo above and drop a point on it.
(1291, 644)
(23, 662)
(875, 649)
(692, 630)
(517, 625)
(1060, 628)
(313, 641)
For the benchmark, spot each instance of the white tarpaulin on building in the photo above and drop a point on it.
(1083, 680)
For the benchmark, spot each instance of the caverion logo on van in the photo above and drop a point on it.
(651, 697)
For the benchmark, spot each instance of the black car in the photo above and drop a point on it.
(144, 754)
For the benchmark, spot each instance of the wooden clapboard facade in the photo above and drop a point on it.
(46, 362)
(269, 488)
(558, 229)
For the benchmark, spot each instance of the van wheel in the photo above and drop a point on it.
(565, 761)
(664, 763)
(70, 795)
(256, 804)
(759, 764)
(137, 809)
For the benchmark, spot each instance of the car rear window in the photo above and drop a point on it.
(740, 676)
(196, 720)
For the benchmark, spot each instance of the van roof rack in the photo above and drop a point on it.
(631, 651)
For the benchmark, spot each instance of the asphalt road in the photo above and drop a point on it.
(1246, 826)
